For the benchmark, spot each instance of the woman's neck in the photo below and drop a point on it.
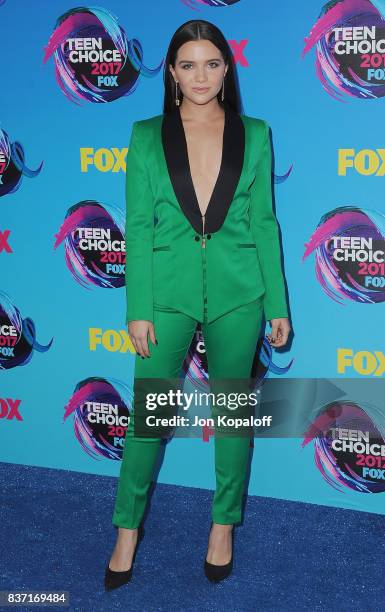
(201, 112)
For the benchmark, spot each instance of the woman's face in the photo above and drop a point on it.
(199, 65)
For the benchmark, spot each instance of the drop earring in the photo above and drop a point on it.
(177, 101)
(223, 90)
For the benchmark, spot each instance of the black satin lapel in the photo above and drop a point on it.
(230, 172)
(176, 154)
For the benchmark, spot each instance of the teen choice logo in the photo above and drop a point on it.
(18, 338)
(94, 60)
(349, 446)
(101, 414)
(349, 246)
(95, 250)
(12, 165)
(195, 3)
(349, 37)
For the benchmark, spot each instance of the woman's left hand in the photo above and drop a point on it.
(280, 329)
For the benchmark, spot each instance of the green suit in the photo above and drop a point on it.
(165, 229)
(222, 270)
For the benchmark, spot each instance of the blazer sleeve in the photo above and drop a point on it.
(139, 231)
(264, 227)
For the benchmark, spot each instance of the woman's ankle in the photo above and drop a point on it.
(222, 527)
(127, 534)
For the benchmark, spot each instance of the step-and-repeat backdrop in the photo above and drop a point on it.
(74, 80)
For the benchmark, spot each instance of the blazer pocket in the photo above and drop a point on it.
(162, 248)
(248, 265)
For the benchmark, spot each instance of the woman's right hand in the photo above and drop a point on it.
(138, 332)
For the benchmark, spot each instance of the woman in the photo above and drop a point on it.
(201, 246)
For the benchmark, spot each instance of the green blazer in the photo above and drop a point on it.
(171, 250)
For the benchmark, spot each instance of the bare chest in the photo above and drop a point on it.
(204, 147)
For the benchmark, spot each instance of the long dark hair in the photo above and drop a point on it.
(197, 29)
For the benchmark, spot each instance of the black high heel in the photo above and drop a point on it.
(216, 573)
(113, 579)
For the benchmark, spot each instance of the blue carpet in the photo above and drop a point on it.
(57, 534)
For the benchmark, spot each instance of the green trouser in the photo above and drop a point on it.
(230, 343)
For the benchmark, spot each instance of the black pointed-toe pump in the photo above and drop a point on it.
(216, 573)
(113, 579)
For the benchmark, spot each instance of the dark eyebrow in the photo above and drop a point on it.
(215, 59)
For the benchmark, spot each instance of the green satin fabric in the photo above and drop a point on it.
(230, 343)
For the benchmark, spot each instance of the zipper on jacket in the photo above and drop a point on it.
(203, 251)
